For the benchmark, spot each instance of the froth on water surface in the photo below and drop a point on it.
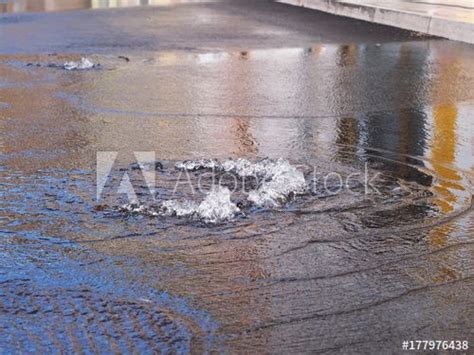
(236, 192)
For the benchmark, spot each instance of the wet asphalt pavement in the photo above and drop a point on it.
(324, 268)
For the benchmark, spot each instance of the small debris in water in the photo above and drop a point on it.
(127, 59)
(100, 208)
(136, 166)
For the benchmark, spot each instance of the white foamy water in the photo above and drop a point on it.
(244, 167)
(197, 164)
(216, 207)
(83, 64)
(280, 180)
(284, 181)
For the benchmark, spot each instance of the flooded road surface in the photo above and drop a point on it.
(343, 221)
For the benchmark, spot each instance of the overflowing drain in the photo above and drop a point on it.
(270, 184)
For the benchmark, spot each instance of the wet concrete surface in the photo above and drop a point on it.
(225, 24)
(350, 272)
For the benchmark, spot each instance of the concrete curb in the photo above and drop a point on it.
(455, 30)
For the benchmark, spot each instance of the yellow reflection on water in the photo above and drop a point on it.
(444, 154)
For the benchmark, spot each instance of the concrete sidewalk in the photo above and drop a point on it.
(452, 19)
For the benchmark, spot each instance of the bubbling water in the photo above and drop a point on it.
(216, 207)
(279, 179)
(278, 182)
(242, 189)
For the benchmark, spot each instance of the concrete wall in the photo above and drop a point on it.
(451, 29)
